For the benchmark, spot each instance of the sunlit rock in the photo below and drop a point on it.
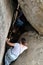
(33, 11)
(5, 21)
(34, 54)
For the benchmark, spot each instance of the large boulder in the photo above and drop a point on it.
(34, 54)
(5, 21)
(33, 11)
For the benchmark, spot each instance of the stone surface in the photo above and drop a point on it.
(5, 21)
(34, 54)
(33, 11)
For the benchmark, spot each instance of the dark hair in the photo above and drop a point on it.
(23, 40)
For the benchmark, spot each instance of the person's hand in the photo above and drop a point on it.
(7, 39)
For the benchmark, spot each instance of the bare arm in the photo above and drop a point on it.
(9, 43)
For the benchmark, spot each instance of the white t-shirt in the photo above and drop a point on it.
(18, 49)
(13, 53)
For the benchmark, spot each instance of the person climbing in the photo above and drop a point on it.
(16, 49)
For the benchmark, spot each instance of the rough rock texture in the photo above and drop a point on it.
(34, 54)
(5, 20)
(33, 10)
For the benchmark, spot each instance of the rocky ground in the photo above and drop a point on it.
(34, 54)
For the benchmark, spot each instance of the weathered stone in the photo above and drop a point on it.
(5, 21)
(34, 54)
(33, 11)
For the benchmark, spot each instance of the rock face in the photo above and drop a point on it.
(5, 21)
(34, 54)
(33, 11)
